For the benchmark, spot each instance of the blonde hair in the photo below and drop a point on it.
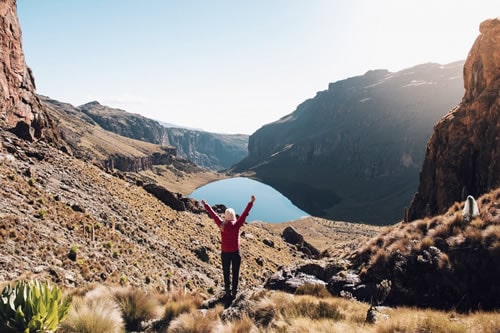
(229, 215)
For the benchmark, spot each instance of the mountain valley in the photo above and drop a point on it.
(92, 201)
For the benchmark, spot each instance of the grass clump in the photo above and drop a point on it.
(407, 320)
(93, 315)
(313, 289)
(194, 323)
(136, 306)
(175, 308)
(309, 307)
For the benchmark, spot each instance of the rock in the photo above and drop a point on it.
(375, 314)
(343, 282)
(290, 235)
(24, 131)
(259, 261)
(290, 278)
(268, 242)
(19, 106)
(165, 196)
(78, 208)
(219, 208)
(202, 253)
(301, 279)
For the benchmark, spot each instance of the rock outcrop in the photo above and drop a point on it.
(353, 152)
(463, 154)
(291, 236)
(136, 164)
(20, 109)
(445, 262)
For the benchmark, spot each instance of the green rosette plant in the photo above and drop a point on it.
(32, 306)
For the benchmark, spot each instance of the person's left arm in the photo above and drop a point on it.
(241, 220)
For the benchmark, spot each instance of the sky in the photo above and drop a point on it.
(232, 66)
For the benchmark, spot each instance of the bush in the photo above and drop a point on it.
(32, 306)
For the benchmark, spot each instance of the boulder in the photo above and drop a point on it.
(165, 196)
(202, 253)
(290, 278)
(290, 235)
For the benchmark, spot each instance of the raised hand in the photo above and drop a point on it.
(252, 198)
(203, 202)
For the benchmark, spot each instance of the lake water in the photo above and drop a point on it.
(270, 205)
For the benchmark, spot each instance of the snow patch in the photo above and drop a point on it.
(415, 83)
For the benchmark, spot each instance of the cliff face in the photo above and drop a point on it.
(353, 152)
(126, 124)
(19, 105)
(208, 150)
(91, 142)
(463, 154)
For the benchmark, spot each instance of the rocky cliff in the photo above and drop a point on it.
(353, 152)
(463, 154)
(20, 109)
(208, 150)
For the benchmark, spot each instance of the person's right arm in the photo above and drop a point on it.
(211, 212)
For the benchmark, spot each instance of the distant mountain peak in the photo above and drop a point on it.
(90, 104)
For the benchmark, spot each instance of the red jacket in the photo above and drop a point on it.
(230, 234)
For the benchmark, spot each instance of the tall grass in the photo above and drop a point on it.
(94, 315)
(136, 306)
(407, 320)
(313, 289)
(98, 311)
(194, 323)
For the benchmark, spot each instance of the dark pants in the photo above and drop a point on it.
(228, 259)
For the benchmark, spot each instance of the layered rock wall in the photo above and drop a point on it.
(136, 164)
(463, 154)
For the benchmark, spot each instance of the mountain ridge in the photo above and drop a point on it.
(209, 150)
(347, 147)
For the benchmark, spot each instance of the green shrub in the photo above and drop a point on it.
(73, 251)
(32, 306)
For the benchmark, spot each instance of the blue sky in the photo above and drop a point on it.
(231, 66)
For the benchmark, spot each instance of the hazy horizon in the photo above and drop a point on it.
(232, 66)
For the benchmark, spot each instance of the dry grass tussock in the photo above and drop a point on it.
(406, 320)
(331, 238)
(445, 262)
(98, 310)
(449, 233)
